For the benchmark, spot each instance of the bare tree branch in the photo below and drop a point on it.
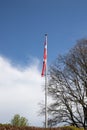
(68, 87)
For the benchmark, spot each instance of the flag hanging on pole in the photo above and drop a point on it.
(44, 73)
(44, 59)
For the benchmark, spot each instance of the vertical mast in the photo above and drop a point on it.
(46, 88)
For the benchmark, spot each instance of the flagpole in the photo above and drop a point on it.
(46, 123)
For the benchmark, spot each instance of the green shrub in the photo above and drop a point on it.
(71, 128)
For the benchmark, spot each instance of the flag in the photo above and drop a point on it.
(44, 59)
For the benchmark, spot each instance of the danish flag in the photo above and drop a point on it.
(44, 59)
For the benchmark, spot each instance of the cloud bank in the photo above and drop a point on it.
(20, 91)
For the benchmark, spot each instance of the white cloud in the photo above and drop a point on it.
(20, 91)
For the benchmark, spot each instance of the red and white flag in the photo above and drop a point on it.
(44, 59)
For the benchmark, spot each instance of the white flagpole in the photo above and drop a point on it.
(46, 122)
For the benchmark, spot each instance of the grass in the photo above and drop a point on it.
(10, 127)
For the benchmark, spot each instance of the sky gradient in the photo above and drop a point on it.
(23, 24)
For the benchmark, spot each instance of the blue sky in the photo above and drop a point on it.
(23, 24)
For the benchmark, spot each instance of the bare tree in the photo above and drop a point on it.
(68, 87)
